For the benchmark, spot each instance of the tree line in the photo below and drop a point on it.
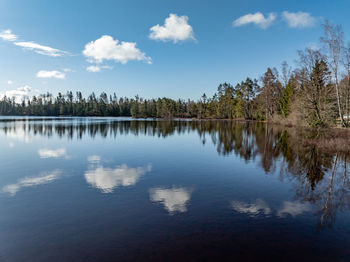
(316, 93)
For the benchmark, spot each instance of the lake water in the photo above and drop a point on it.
(114, 189)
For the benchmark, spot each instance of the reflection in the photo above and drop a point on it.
(174, 199)
(261, 207)
(106, 179)
(49, 153)
(293, 208)
(94, 159)
(314, 161)
(20, 134)
(44, 178)
(251, 209)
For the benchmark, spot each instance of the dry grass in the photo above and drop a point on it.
(331, 139)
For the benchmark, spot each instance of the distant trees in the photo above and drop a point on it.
(246, 92)
(67, 105)
(270, 92)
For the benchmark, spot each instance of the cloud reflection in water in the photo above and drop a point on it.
(293, 208)
(49, 153)
(94, 159)
(18, 134)
(174, 199)
(251, 209)
(107, 179)
(44, 178)
(261, 207)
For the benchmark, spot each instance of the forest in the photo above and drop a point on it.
(316, 93)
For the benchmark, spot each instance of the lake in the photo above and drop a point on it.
(118, 189)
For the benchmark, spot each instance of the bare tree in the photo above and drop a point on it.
(333, 40)
(346, 63)
(286, 73)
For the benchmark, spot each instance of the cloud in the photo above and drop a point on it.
(18, 94)
(7, 35)
(298, 19)
(9, 82)
(67, 70)
(44, 178)
(48, 153)
(93, 69)
(258, 19)
(174, 199)
(51, 74)
(106, 48)
(251, 209)
(106, 179)
(293, 208)
(175, 28)
(97, 68)
(41, 49)
(94, 159)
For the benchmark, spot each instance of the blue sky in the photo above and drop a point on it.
(204, 43)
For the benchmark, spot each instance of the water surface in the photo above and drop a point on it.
(116, 189)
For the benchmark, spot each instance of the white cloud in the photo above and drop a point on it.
(67, 70)
(48, 153)
(44, 178)
(252, 209)
(293, 208)
(19, 94)
(41, 49)
(175, 28)
(51, 74)
(9, 82)
(106, 179)
(298, 19)
(97, 68)
(7, 35)
(94, 159)
(106, 48)
(258, 19)
(93, 69)
(174, 199)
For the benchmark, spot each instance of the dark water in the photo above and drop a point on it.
(96, 189)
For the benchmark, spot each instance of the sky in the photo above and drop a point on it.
(153, 48)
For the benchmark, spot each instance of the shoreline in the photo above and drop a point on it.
(279, 123)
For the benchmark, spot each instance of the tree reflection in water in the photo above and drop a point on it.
(319, 173)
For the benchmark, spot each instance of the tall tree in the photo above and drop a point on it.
(346, 81)
(333, 40)
(271, 92)
(315, 97)
(248, 89)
